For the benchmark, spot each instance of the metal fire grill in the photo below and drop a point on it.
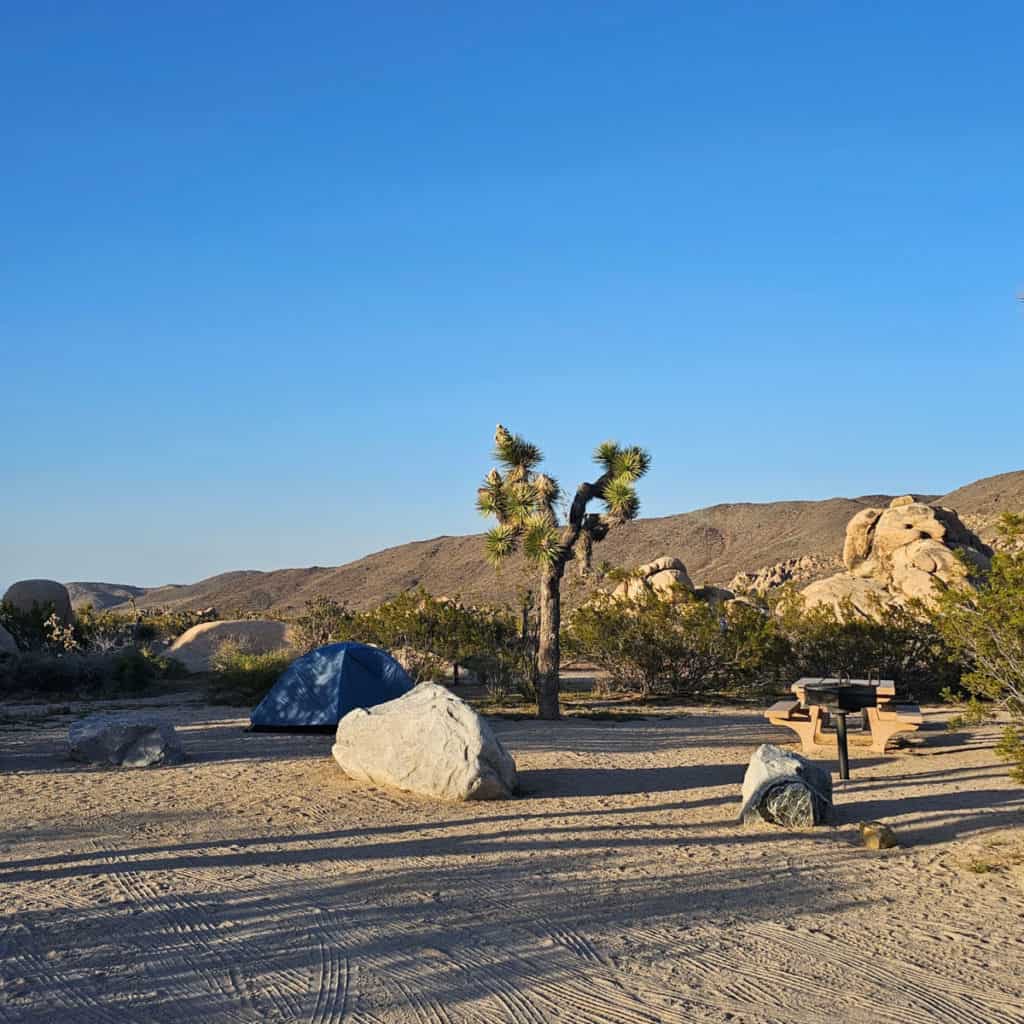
(839, 698)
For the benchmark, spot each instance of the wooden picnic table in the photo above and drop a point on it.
(884, 717)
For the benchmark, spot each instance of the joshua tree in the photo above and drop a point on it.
(524, 501)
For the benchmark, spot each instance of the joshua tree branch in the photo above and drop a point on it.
(578, 518)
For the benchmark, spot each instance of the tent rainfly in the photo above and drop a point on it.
(318, 689)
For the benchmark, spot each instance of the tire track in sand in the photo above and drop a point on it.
(187, 920)
(939, 999)
(331, 989)
(70, 999)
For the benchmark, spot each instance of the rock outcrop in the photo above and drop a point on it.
(28, 594)
(7, 644)
(132, 741)
(869, 599)
(898, 554)
(429, 742)
(662, 576)
(196, 647)
(793, 570)
(786, 789)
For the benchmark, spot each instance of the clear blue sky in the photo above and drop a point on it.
(271, 273)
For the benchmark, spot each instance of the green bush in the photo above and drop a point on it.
(244, 677)
(654, 646)
(104, 630)
(985, 627)
(29, 629)
(429, 635)
(324, 621)
(903, 644)
(162, 624)
(76, 675)
(688, 647)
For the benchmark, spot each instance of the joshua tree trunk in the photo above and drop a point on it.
(548, 650)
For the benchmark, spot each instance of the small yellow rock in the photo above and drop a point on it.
(876, 835)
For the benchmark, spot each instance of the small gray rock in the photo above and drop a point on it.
(132, 741)
(782, 787)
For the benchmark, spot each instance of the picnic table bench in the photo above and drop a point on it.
(884, 718)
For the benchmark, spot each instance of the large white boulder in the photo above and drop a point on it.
(132, 741)
(196, 647)
(28, 594)
(7, 644)
(428, 741)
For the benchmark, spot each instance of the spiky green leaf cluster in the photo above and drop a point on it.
(546, 488)
(541, 542)
(501, 542)
(631, 463)
(521, 500)
(606, 453)
(621, 499)
(514, 451)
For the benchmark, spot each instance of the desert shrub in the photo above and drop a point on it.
(81, 675)
(495, 647)
(757, 651)
(414, 622)
(902, 644)
(324, 621)
(985, 628)
(164, 624)
(430, 634)
(37, 673)
(30, 629)
(104, 630)
(651, 645)
(135, 669)
(243, 677)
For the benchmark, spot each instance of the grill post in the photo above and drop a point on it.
(844, 756)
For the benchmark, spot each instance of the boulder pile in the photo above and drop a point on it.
(429, 742)
(895, 555)
(793, 570)
(662, 576)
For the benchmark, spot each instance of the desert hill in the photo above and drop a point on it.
(102, 595)
(715, 543)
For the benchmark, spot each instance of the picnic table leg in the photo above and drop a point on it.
(817, 724)
(810, 731)
(883, 730)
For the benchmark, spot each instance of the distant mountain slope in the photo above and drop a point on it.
(715, 543)
(982, 503)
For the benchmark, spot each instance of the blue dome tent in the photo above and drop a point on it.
(316, 690)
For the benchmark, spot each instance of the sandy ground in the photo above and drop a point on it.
(257, 883)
